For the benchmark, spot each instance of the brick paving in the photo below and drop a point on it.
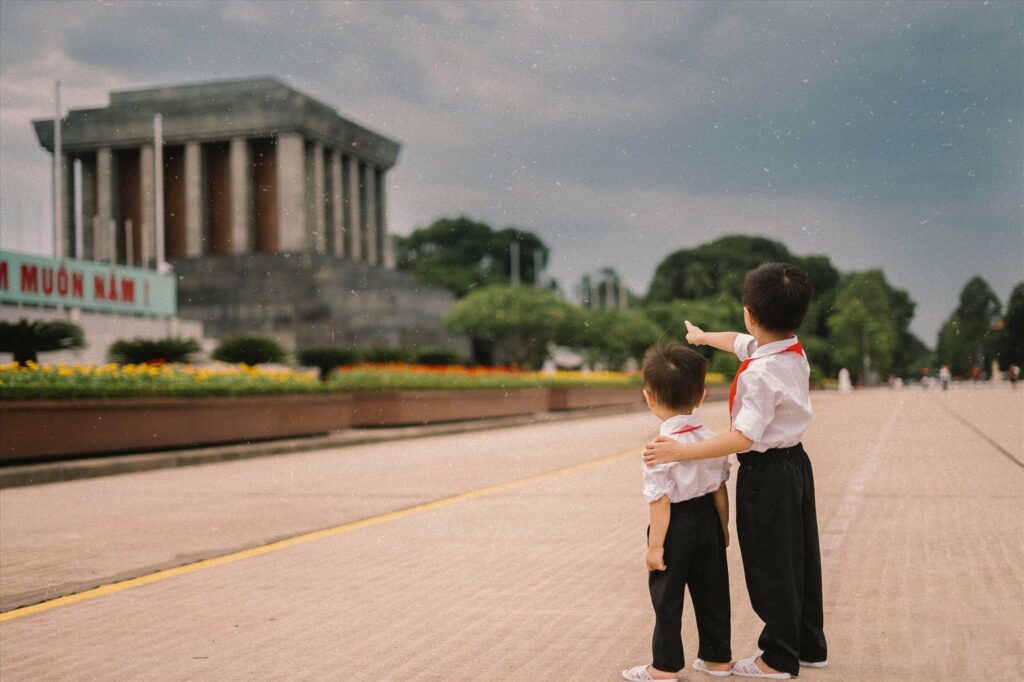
(924, 576)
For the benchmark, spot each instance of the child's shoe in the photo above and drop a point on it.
(814, 664)
(748, 668)
(640, 673)
(703, 667)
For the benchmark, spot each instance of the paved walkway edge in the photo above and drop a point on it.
(112, 465)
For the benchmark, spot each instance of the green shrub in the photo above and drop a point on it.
(251, 350)
(327, 359)
(139, 351)
(381, 354)
(436, 355)
(25, 340)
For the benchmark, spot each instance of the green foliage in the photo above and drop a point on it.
(716, 270)
(1012, 341)
(864, 332)
(614, 336)
(970, 337)
(461, 254)
(437, 355)
(383, 354)
(326, 359)
(25, 339)
(140, 351)
(169, 381)
(251, 350)
(520, 321)
(371, 379)
(719, 267)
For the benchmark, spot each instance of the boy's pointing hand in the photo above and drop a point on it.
(694, 335)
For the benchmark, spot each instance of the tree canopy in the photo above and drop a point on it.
(971, 337)
(461, 254)
(519, 321)
(26, 339)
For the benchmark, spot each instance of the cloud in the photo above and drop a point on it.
(884, 134)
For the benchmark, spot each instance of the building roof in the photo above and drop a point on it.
(215, 111)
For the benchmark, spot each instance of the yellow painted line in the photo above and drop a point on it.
(157, 576)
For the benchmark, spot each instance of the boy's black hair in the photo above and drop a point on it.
(674, 375)
(777, 296)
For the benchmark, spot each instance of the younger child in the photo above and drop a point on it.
(776, 521)
(689, 528)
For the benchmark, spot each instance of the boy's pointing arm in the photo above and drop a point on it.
(724, 341)
(663, 450)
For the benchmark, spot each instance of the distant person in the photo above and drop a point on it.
(776, 520)
(689, 529)
(1014, 374)
(845, 385)
(944, 377)
(975, 373)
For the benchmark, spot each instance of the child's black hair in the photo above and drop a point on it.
(674, 375)
(777, 296)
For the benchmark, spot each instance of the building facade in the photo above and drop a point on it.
(274, 211)
(249, 166)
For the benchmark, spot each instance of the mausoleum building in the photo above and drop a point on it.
(274, 211)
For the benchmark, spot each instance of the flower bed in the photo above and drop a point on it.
(60, 382)
(64, 410)
(36, 429)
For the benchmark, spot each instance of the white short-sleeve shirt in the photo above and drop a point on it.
(772, 405)
(685, 480)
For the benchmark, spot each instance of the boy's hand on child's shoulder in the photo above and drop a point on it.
(694, 335)
(656, 559)
(662, 450)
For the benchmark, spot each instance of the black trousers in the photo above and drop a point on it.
(778, 532)
(694, 557)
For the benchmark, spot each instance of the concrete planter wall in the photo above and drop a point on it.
(61, 428)
(394, 408)
(581, 397)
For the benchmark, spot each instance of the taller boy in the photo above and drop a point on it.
(770, 408)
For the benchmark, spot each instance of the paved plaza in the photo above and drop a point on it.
(510, 554)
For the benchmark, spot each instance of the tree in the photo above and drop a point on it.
(614, 336)
(863, 331)
(25, 340)
(519, 321)
(139, 351)
(970, 338)
(461, 254)
(716, 313)
(716, 267)
(249, 350)
(1012, 351)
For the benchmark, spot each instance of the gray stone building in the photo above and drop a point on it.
(274, 211)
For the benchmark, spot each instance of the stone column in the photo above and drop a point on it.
(193, 199)
(352, 202)
(370, 202)
(146, 231)
(387, 257)
(291, 192)
(101, 237)
(241, 195)
(317, 195)
(88, 207)
(67, 207)
(337, 204)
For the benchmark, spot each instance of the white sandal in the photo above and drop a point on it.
(701, 666)
(640, 673)
(748, 668)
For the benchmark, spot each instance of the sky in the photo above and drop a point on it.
(885, 135)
